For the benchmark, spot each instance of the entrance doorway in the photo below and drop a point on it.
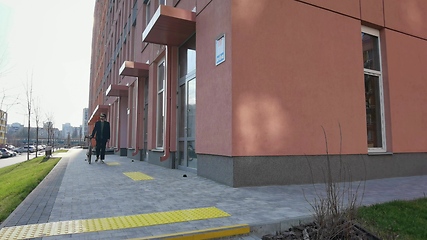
(187, 157)
(187, 124)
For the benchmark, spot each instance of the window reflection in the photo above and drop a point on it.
(160, 105)
(191, 108)
(373, 111)
(187, 57)
(371, 59)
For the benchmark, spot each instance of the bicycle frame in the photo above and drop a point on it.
(88, 140)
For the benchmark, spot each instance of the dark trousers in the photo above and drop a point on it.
(100, 149)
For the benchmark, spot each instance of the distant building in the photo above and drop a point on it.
(17, 134)
(66, 129)
(85, 121)
(14, 127)
(3, 125)
(47, 125)
(76, 133)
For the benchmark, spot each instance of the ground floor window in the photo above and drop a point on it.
(374, 96)
(160, 124)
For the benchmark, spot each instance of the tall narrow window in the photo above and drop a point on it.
(160, 104)
(147, 12)
(374, 96)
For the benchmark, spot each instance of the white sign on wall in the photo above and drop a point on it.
(220, 50)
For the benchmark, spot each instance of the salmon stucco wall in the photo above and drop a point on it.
(201, 4)
(296, 68)
(407, 71)
(214, 108)
(188, 4)
(348, 7)
(372, 12)
(407, 16)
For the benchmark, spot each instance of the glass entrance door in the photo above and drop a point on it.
(187, 157)
(187, 124)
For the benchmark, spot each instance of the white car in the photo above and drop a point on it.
(12, 152)
(5, 153)
(17, 150)
(30, 149)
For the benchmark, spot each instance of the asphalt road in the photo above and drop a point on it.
(4, 162)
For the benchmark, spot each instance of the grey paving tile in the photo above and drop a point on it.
(76, 190)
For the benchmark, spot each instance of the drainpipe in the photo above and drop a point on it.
(118, 143)
(167, 106)
(136, 151)
(117, 123)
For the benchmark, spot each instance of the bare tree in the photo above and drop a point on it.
(4, 104)
(37, 120)
(4, 68)
(68, 140)
(50, 130)
(335, 208)
(29, 97)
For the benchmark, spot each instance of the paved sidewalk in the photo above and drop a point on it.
(76, 193)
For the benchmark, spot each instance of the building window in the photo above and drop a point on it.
(374, 96)
(162, 2)
(160, 104)
(147, 12)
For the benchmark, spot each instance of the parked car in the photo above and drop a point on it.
(18, 150)
(10, 147)
(5, 153)
(30, 149)
(12, 152)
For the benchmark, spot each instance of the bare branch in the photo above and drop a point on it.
(29, 95)
(50, 129)
(37, 120)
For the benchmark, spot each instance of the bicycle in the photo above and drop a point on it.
(89, 148)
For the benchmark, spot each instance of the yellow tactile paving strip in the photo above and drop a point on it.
(137, 176)
(112, 163)
(113, 223)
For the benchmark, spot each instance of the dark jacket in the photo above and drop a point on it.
(105, 133)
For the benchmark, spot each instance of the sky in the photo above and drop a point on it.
(45, 46)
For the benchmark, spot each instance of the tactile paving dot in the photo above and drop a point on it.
(138, 176)
(112, 163)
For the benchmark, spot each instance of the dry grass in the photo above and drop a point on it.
(335, 206)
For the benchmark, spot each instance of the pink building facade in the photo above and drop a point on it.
(250, 93)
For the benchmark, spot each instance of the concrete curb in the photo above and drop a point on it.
(210, 233)
(235, 231)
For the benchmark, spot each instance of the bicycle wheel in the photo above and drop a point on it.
(89, 154)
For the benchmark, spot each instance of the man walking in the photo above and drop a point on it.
(102, 136)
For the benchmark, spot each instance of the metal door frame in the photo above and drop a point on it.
(184, 81)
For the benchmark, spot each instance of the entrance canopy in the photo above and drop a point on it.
(170, 26)
(98, 110)
(115, 90)
(134, 69)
